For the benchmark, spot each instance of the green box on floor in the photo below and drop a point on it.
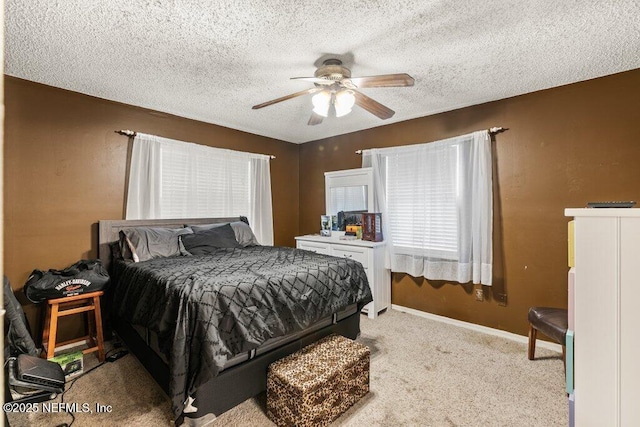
(72, 363)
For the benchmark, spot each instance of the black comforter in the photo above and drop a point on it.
(207, 309)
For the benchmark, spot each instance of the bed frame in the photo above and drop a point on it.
(232, 386)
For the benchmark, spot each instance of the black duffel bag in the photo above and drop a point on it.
(87, 275)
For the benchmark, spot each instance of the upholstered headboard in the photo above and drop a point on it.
(109, 230)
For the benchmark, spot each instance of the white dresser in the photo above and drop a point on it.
(606, 313)
(369, 254)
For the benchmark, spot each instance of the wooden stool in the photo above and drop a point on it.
(67, 306)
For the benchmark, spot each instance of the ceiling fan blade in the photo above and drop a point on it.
(285, 98)
(372, 106)
(386, 80)
(317, 80)
(315, 119)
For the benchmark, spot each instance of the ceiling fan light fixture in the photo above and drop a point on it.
(336, 93)
(344, 102)
(321, 102)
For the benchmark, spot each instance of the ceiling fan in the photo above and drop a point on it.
(334, 87)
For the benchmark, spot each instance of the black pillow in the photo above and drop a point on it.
(207, 241)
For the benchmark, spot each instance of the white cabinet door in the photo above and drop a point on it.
(596, 305)
(629, 342)
(361, 255)
(352, 252)
(605, 317)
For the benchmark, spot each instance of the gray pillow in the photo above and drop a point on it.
(153, 242)
(244, 234)
(208, 241)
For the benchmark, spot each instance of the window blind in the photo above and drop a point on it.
(421, 197)
(203, 185)
(177, 179)
(436, 205)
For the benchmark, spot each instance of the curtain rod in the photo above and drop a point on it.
(132, 133)
(492, 130)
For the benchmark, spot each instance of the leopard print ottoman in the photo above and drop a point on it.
(315, 385)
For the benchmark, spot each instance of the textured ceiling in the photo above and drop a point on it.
(211, 61)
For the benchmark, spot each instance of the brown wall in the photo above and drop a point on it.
(564, 147)
(64, 170)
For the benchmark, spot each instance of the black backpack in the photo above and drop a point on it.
(87, 275)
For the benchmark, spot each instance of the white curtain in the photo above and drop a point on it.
(260, 209)
(175, 179)
(436, 201)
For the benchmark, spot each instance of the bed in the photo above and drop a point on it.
(207, 326)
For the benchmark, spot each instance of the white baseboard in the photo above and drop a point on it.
(478, 328)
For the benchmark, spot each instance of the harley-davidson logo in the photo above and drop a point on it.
(83, 282)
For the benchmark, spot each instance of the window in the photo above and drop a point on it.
(436, 205)
(422, 201)
(201, 183)
(175, 179)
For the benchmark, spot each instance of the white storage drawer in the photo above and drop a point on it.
(321, 248)
(353, 252)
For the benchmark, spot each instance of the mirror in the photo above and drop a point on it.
(348, 190)
(352, 198)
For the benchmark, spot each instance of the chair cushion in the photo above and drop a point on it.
(552, 322)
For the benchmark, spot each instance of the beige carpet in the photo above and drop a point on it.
(423, 373)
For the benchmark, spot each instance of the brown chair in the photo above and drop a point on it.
(552, 322)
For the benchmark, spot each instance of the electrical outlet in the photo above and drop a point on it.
(479, 295)
(501, 299)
